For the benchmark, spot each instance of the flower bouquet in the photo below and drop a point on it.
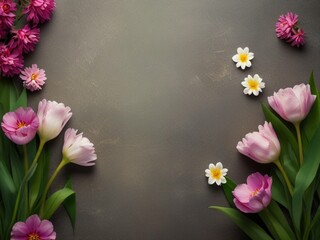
(26, 203)
(286, 204)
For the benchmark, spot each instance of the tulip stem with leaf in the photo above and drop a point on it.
(298, 131)
(285, 176)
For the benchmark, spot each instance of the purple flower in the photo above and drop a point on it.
(255, 195)
(21, 125)
(7, 17)
(33, 229)
(293, 104)
(33, 78)
(297, 39)
(39, 11)
(25, 39)
(262, 146)
(11, 61)
(288, 30)
(78, 149)
(53, 117)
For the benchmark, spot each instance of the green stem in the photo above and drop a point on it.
(35, 160)
(63, 162)
(297, 126)
(26, 169)
(289, 185)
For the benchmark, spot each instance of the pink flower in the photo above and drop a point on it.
(11, 61)
(25, 38)
(7, 16)
(297, 38)
(285, 25)
(255, 195)
(293, 104)
(287, 29)
(53, 117)
(262, 146)
(78, 149)
(33, 229)
(21, 125)
(39, 11)
(33, 77)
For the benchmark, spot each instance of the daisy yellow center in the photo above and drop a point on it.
(21, 124)
(253, 84)
(34, 76)
(33, 236)
(243, 57)
(216, 173)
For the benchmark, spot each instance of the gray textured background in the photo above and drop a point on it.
(152, 85)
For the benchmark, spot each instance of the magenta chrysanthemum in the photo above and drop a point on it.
(288, 30)
(11, 61)
(78, 149)
(297, 38)
(39, 11)
(25, 39)
(7, 16)
(21, 125)
(33, 78)
(33, 228)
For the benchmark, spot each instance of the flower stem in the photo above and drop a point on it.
(41, 145)
(289, 185)
(63, 162)
(297, 126)
(26, 169)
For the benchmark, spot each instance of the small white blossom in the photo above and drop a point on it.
(243, 57)
(216, 174)
(253, 85)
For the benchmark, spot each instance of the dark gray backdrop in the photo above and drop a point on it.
(152, 85)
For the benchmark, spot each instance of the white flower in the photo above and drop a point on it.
(243, 57)
(216, 174)
(253, 85)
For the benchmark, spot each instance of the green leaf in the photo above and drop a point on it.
(253, 230)
(280, 217)
(274, 226)
(39, 179)
(228, 187)
(55, 200)
(70, 205)
(312, 122)
(304, 178)
(21, 101)
(280, 191)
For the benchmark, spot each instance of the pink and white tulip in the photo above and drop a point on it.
(262, 146)
(293, 104)
(53, 117)
(254, 196)
(21, 125)
(78, 149)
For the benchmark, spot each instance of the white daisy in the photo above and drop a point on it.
(216, 174)
(253, 85)
(243, 57)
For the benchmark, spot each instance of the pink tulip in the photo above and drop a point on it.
(21, 125)
(53, 117)
(255, 195)
(293, 104)
(262, 146)
(78, 149)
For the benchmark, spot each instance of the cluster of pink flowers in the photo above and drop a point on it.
(17, 42)
(20, 127)
(293, 105)
(288, 30)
